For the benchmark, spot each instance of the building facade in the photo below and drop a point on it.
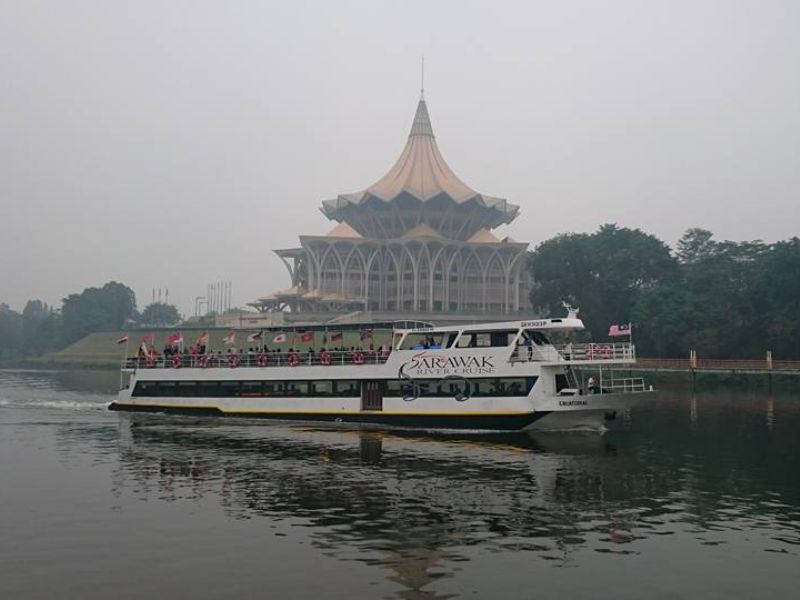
(418, 241)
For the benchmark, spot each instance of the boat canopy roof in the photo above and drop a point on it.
(562, 324)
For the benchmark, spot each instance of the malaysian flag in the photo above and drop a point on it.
(619, 330)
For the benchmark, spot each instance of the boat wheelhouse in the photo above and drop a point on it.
(492, 376)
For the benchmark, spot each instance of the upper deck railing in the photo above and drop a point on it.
(577, 353)
(259, 360)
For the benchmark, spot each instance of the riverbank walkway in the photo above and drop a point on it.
(711, 365)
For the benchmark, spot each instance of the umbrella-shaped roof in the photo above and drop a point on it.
(421, 175)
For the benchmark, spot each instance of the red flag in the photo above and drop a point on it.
(123, 340)
(175, 339)
(148, 338)
(336, 336)
(279, 339)
(230, 339)
(307, 336)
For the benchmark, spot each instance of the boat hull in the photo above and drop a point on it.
(405, 420)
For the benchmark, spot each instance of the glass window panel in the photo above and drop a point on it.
(348, 388)
(296, 388)
(252, 389)
(321, 388)
(231, 389)
(273, 388)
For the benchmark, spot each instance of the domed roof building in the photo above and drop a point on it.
(416, 243)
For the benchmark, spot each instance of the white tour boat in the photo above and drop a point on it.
(493, 376)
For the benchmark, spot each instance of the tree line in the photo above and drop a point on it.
(41, 328)
(723, 299)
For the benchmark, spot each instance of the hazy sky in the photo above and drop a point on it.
(165, 143)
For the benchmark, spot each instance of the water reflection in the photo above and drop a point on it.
(417, 503)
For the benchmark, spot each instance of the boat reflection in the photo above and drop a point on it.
(416, 502)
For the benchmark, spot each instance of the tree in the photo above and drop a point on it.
(601, 272)
(41, 328)
(778, 299)
(159, 314)
(97, 309)
(10, 331)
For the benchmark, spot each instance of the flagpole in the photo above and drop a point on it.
(124, 362)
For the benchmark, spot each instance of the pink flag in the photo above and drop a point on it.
(619, 330)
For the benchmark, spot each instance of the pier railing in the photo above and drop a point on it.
(714, 364)
(263, 360)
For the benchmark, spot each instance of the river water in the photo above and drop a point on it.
(688, 496)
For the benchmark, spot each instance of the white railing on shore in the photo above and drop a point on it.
(591, 352)
(256, 360)
(626, 385)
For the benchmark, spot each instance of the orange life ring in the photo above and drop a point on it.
(262, 360)
(325, 358)
(234, 361)
(176, 361)
(358, 358)
(294, 359)
(205, 361)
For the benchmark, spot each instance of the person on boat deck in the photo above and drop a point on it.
(529, 345)
(592, 385)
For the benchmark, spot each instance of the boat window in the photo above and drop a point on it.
(145, 388)
(167, 389)
(321, 388)
(273, 388)
(432, 340)
(347, 388)
(297, 388)
(231, 389)
(450, 388)
(537, 337)
(487, 339)
(252, 389)
(209, 389)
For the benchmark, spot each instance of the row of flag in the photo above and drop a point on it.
(304, 337)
